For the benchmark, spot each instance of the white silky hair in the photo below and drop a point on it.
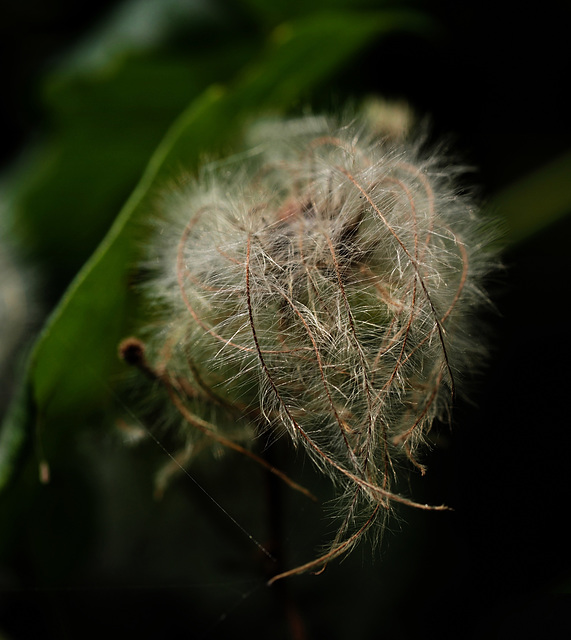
(326, 285)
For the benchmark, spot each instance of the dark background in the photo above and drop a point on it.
(33, 36)
(496, 71)
(499, 566)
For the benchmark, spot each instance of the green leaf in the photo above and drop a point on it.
(106, 123)
(75, 357)
(12, 435)
(537, 200)
(280, 10)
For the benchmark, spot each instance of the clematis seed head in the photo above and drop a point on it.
(323, 285)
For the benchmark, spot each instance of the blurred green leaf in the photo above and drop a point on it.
(537, 200)
(279, 10)
(12, 435)
(75, 356)
(106, 123)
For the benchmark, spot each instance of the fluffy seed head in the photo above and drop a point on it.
(322, 285)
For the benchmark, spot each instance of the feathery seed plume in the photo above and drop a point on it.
(324, 286)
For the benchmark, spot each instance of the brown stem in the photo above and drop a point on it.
(275, 545)
(132, 351)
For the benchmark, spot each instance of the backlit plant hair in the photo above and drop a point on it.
(322, 285)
